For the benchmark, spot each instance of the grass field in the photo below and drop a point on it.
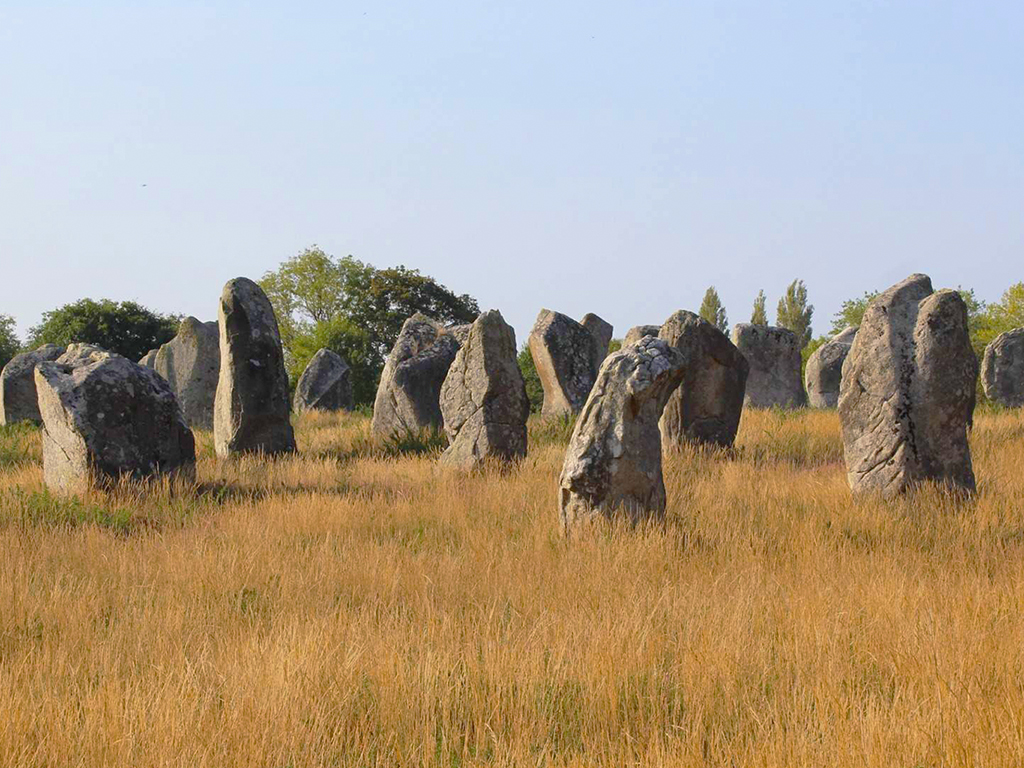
(352, 608)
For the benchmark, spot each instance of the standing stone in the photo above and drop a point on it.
(825, 369)
(408, 396)
(613, 463)
(104, 418)
(563, 354)
(148, 360)
(325, 385)
(705, 409)
(190, 362)
(483, 398)
(774, 358)
(1002, 372)
(250, 411)
(601, 331)
(637, 332)
(18, 400)
(908, 391)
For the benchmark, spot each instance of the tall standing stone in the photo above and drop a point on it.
(190, 362)
(824, 371)
(148, 360)
(483, 398)
(1002, 371)
(564, 354)
(774, 358)
(18, 401)
(908, 391)
(705, 409)
(613, 463)
(601, 332)
(106, 418)
(325, 385)
(408, 396)
(637, 332)
(251, 406)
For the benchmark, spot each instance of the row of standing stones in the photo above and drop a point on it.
(904, 384)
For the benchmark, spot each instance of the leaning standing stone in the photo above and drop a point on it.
(104, 418)
(774, 357)
(1002, 372)
(190, 362)
(908, 391)
(601, 331)
(408, 396)
(251, 406)
(325, 385)
(483, 398)
(564, 354)
(705, 409)
(613, 463)
(824, 371)
(18, 400)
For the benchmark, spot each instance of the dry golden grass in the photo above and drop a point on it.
(342, 608)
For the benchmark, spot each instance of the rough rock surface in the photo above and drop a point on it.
(190, 362)
(408, 396)
(483, 398)
(18, 385)
(824, 371)
(601, 331)
(637, 332)
(81, 353)
(908, 391)
(104, 418)
(148, 360)
(706, 407)
(613, 463)
(563, 354)
(251, 406)
(774, 358)
(1002, 372)
(325, 385)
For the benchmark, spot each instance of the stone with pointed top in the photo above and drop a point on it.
(325, 385)
(190, 362)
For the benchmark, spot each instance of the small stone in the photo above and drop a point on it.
(824, 372)
(325, 385)
(18, 400)
(1002, 371)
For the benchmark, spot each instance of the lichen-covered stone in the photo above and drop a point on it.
(148, 360)
(613, 463)
(637, 332)
(824, 371)
(774, 357)
(325, 385)
(18, 401)
(705, 408)
(908, 392)
(1002, 371)
(190, 362)
(106, 418)
(601, 331)
(483, 398)
(251, 409)
(564, 355)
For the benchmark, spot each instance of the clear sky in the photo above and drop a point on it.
(615, 158)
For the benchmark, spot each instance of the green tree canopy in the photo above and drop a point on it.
(851, 312)
(126, 328)
(795, 313)
(760, 314)
(712, 310)
(9, 344)
(534, 390)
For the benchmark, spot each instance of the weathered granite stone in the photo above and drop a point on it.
(190, 362)
(251, 405)
(613, 463)
(774, 358)
(637, 332)
(824, 370)
(106, 418)
(18, 400)
(908, 391)
(148, 360)
(325, 385)
(408, 396)
(81, 353)
(1002, 372)
(705, 409)
(601, 331)
(483, 398)
(564, 355)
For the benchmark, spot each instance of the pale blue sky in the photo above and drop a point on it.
(584, 156)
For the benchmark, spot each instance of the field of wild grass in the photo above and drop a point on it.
(348, 607)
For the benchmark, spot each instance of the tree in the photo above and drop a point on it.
(126, 328)
(996, 318)
(760, 314)
(534, 390)
(795, 313)
(305, 289)
(711, 309)
(9, 344)
(851, 312)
